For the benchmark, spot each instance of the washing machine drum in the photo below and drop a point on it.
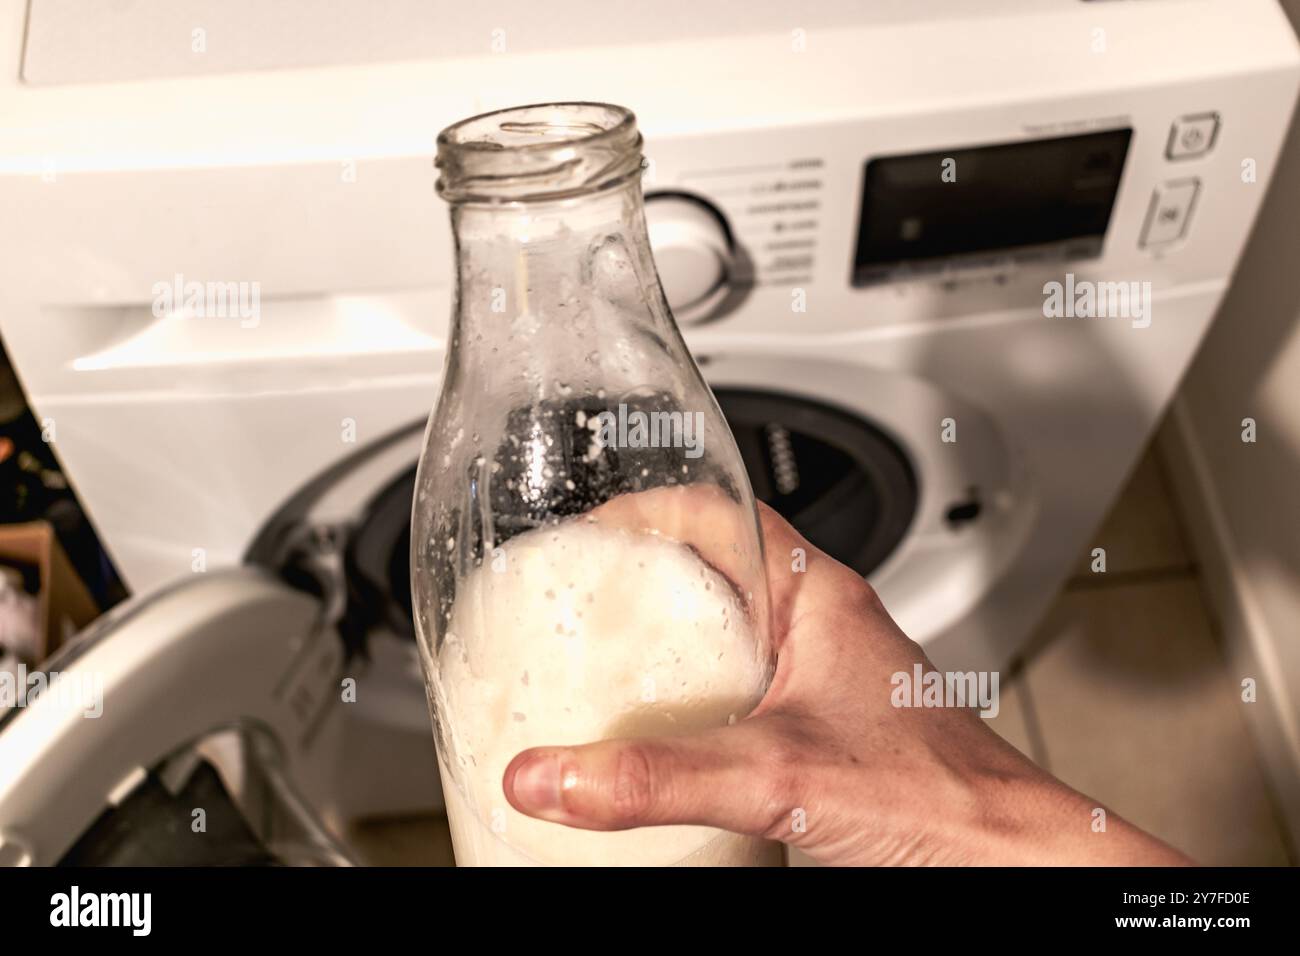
(844, 484)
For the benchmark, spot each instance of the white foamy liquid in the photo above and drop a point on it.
(588, 633)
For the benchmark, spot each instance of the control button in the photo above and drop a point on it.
(1170, 212)
(1192, 136)
(693, 254)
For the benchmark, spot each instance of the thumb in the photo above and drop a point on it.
(721, 778)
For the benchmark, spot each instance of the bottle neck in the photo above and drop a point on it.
(549, 260)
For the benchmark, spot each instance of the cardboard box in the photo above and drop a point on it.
(65, 606)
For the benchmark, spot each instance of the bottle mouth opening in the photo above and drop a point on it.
(545, 151)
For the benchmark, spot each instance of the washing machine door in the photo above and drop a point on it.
(178, 729)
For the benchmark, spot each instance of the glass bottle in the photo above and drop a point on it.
(586, 561)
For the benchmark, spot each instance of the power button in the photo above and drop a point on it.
(1192, 136)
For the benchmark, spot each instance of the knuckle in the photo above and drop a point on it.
(868, 596)
(783, 771)
(783, 799)
(635, 784)
(856, 598)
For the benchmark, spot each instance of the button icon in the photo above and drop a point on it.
(1192, 136)
(1170, 212)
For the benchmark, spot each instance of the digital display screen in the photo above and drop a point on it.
(949, 208)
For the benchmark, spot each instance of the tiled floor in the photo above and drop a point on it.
(1124, 694)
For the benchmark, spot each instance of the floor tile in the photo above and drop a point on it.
(1136, 709)
(1141, 532)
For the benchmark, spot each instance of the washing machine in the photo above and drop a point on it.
(227, 287)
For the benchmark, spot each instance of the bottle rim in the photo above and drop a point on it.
(538, 152)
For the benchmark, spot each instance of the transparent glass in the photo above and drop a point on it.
(586, 559)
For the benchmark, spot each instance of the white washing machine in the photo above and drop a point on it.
(857, 211)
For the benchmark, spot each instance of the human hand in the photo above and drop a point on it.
(871, 783)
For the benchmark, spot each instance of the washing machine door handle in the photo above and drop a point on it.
(224, 649)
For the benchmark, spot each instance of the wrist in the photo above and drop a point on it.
(1031, 819)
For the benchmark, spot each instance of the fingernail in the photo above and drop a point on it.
(537, 783)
